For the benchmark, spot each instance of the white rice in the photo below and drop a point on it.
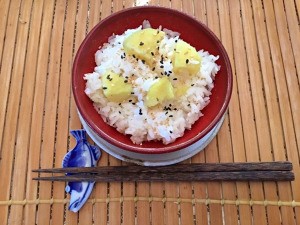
(154, 123)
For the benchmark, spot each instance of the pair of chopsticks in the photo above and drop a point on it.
(259, 171)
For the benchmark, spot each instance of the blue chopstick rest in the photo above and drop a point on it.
(83, 155)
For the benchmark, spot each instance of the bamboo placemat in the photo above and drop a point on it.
(38, 41)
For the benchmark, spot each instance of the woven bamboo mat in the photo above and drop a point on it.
(38, 41)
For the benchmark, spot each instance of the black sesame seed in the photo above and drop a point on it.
(166, 73)
(153, 68)
(174, 49)
(125, 81)
(170, 71)
(170, 105)
(141, 43)
(187, 61)
(133, 103)
(104, 88)
(158, 48)
(108, 77)
(119, 103)
(157, 41)
(119, 43)
(119, 112)
(137, 59)
(133, 56)
(143, 61)
(140, 112)
(130, 100)
(126, 77)
(171, 132)
(189, 105)
(152, 53)
(175, 78)
(175, 109)
(166, 112)
(192, 85)
(155, 77)
(161, 66)
(171, 116)
(132, 93)
(162, 73)
(176, 41)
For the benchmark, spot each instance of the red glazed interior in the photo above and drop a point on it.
(192, 31)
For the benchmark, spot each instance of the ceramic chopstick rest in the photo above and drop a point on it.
(82, 155)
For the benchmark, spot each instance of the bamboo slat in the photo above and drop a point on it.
(213, 190)
(154, 2)
(27, 106)
(8, 27)
(224, 136)
(58, 211)
(4, 10)
(287, 86)
(294, 33)
(8, 121)
(259, 213)
(128, 212)
(157, 208)
(35, 124)
(38, 42)
(165, 3)
(200, 190)
(100, 208)
(244, 212)
(20, 157)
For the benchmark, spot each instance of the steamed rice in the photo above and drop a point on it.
(164, 122)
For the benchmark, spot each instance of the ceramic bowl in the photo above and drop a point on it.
(193, 32)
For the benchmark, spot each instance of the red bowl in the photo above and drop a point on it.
(192, 31)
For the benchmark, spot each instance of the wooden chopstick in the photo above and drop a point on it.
(180, 176)
(263, 171)
(195, 167)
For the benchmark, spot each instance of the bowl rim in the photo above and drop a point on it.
(165, 148)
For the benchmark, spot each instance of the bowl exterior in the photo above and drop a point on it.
(192, 31)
